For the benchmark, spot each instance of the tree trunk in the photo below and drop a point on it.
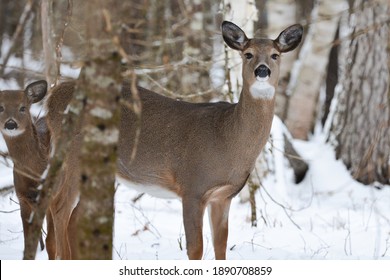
(360, 125)
(332, 77)
(302, 103)
(262, 16)
(99, 91)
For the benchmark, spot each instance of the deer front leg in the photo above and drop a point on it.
(193, 223)
(219, 222)
(25, 213)
(27, 207)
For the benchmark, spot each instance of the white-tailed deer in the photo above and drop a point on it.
(28, 141)
(28, 144)
(64, 205)
(203, 153)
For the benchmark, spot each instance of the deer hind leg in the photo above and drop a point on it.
(193, 223)
(72, 232)
(62, 246)
(50, 238)
(62, 211)
(219, 222)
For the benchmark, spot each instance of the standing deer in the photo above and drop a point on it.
(28, 141)
(202, 153)
(28, 145)
(64, 206)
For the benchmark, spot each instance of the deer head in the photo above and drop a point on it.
(261, 57)
(15, 107)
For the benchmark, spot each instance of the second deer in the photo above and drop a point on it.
(28, 141)
(203, 153)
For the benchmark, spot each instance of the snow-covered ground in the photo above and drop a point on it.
(327, 216)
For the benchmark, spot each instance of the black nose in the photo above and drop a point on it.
(11, 124)
(262, 71)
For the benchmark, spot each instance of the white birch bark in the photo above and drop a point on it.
(305, 87)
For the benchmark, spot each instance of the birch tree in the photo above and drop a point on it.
(304, 89)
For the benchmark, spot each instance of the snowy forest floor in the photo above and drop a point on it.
(327, 216)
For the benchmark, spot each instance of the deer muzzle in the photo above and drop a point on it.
(11, 125)
(262, 71)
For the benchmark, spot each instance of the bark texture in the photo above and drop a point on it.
(305, 88)
(360, 126)
(99, 92)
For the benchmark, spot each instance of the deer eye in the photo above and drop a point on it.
(22, 109)
(248, 55)
(1, 109)
(275, 56)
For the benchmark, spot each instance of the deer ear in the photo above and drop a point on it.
(234, 36)
(289, 38)
(36, 91)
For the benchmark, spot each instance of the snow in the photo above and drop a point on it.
(327, 216)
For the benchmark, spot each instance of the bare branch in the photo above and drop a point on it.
(18, 32)
(47, 41)
(61, 39)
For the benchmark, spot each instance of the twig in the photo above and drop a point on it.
(19, 29)
(137, 109)
(175, 95)
(347, 242)
(8, 212)
(31, 72)
(257, 245)
(387, 246)
(156, 233)
(283, 207)
(352, 36)
(6, 189)
(284, 153)
(31, 175)
(60, 42)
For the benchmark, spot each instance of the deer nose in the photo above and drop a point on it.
(10, 125)
(262, 71)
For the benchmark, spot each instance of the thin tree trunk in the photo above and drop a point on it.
(302, 108)
(262, 16)
(16, 37)
(49, 53)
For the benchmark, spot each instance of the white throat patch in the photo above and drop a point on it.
(262, 89)
(12, 132)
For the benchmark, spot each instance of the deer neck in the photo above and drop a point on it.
(253, 120)
(26, 151)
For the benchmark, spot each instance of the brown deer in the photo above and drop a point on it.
(202, 153)
(28, 143)
(64, 206)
